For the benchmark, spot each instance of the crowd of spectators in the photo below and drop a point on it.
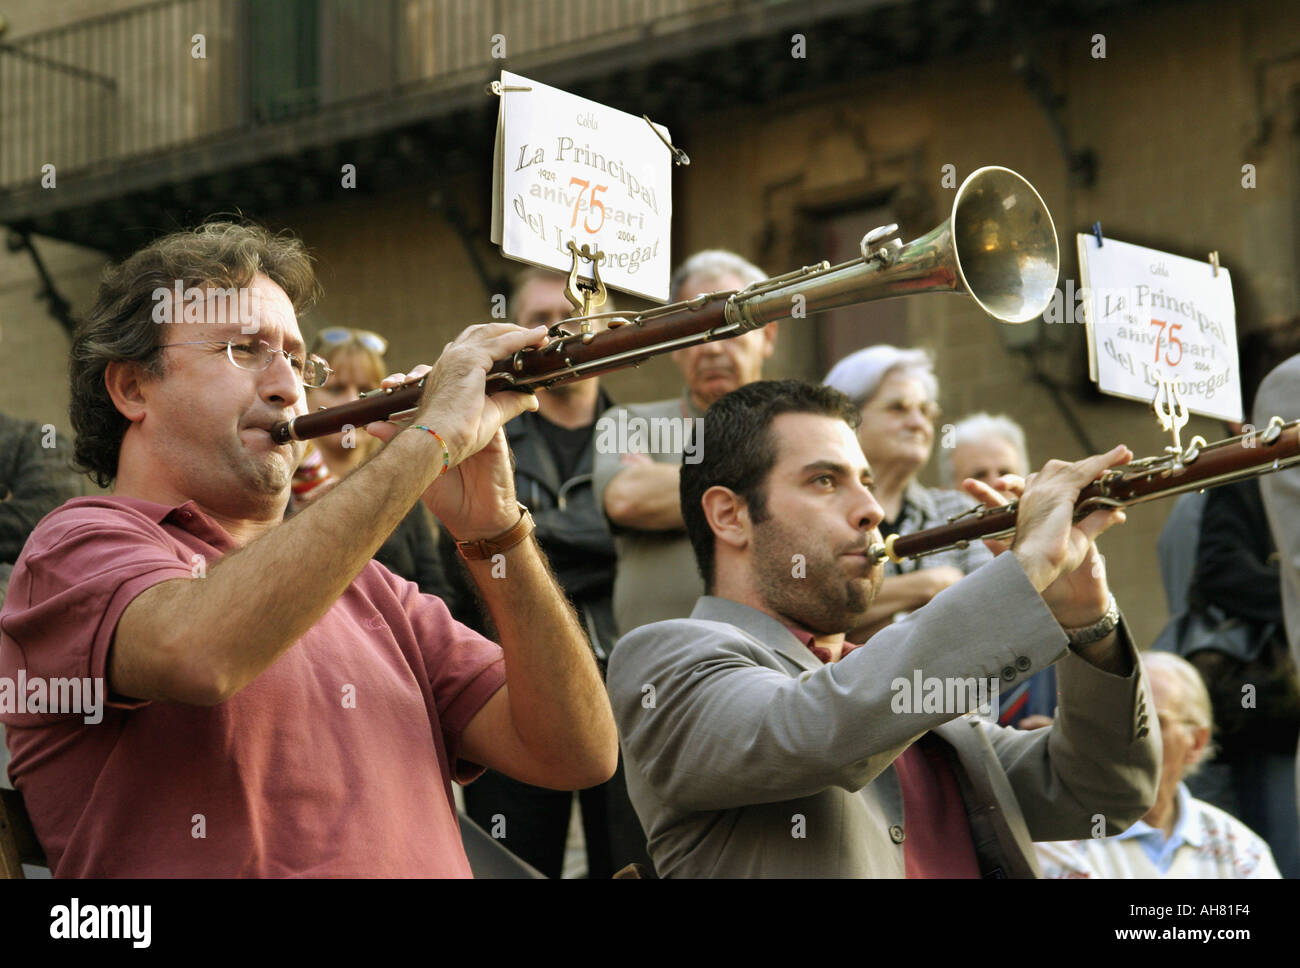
(694, 576)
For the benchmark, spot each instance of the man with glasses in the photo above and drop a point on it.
(1180, 836)
(278, 704)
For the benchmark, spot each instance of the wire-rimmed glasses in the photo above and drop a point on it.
(258, 354)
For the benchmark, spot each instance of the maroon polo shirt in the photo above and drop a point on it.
(336, 761)
(937, 841)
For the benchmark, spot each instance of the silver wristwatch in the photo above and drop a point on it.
(1099, 629)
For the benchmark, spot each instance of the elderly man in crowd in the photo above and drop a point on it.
(656, 576)
(278, 704)
(897, 394)
(1180, 836)
(760, 742)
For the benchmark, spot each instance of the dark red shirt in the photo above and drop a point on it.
(336, 761)
(937, 839)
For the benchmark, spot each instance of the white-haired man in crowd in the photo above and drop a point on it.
(639, 452)
(1180, 836)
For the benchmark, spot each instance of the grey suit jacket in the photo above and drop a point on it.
(1279, 395)
(747, 756)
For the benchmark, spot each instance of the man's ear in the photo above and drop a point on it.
(769, 340)
(727, 514)
(124, 380)
(1200, 741)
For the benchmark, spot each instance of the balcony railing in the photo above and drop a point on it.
(166, 75)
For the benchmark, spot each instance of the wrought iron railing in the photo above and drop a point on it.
(165, 75)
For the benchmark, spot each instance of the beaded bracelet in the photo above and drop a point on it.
(446, 451)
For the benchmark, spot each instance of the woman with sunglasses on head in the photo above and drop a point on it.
(897, 393)
(356, 359)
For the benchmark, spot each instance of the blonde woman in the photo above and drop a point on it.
(356, 357)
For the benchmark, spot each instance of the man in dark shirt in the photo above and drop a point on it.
(554, 453)
(34, 480)
(1235, 634)
(1237, 578)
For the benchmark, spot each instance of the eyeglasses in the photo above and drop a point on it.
(338, 335)
(257, 355)
(898, 408)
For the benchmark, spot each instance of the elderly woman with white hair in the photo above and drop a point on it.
(983, 447)
(1180, 836)
(896, 390)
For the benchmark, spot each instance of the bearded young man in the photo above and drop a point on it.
(279, 704)
(758, 742)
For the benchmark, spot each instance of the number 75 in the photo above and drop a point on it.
(595, 204)
(1173, 341)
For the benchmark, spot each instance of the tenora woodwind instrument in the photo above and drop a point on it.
(1198, 467)
(998, 247)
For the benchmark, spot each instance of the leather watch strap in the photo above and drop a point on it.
(485, 548)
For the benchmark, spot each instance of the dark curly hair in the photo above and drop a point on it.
(738, 451)
(121, 326)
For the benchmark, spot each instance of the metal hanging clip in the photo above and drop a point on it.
(679, 157)
(497, 88)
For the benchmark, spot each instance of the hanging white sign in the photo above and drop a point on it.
(567, 169)
(1153, 315)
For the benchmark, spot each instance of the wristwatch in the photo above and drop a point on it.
(485, 548)
(1098, 630)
